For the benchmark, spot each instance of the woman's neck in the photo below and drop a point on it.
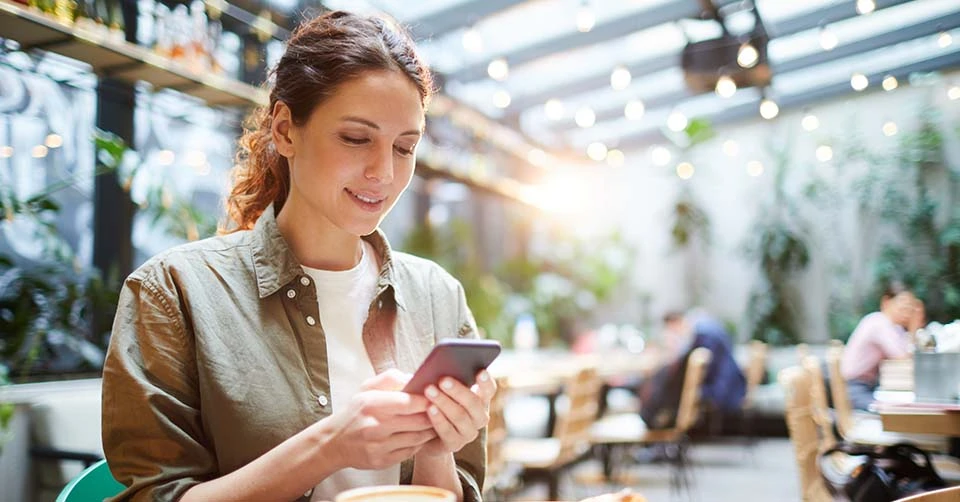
(316, 242)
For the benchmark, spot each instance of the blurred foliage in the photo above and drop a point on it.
(919, 202)
(47, 305)
(778, 243)
(557, 289)
(689, 220)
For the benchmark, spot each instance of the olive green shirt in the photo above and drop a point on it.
(218, 355)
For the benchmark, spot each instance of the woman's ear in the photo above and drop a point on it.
(281, 129)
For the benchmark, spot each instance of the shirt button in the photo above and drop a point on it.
(291, 293)
(322, 400)
(305, 281)
(310, 320)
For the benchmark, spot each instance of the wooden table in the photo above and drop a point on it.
(921, 418)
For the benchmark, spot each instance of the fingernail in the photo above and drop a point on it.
(432, 391)
(447, 384)
(434, 410)
(484, 376)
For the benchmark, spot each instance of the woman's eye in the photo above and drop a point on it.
(404, 151)
(353, 140)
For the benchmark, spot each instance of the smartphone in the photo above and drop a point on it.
(453, 357)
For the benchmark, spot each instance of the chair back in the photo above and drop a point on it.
(803, 432)
(572, 427)
(689, 409)
(838, 390)
(94, 483)
(819, 404)
(497, 431)
(756, 370)
(951, 494)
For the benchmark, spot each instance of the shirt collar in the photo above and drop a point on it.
(276, 265)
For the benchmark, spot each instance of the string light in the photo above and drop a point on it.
(38, 152)
(472, 41)
(165, 157)
(865, 7)
(585, 18)
(953, 93)
(754, 168)
(685, 170)
(726, 87)
(537, 157)
(501, 99)
(828, 39)
(747, 56)
(660, 155)
(731, 148)
(553, 108)
(634, 109)
(824, 153)
(769, 109)
(620, 78)
(810, 122)
(615, 158)
(6, 151)
(677, 121)
(597, 151)
(498, 69)
(890, 83)
(53, 140)
(889, 128)
(859, 81)
(944, 40)
(585, 117)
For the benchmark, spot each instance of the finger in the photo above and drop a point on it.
(446, 431)
(399, 455)
(452, 410)
(384, 403)
(409, 439)
(473, 405)
(391, 379)
(408, 423)
(486, 386)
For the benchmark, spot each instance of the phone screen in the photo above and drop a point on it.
(453, 357)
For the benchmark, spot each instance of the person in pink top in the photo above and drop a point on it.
(879, 335)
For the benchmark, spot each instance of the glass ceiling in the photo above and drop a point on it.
(552, 56)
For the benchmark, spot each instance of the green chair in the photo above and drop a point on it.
(95, 483)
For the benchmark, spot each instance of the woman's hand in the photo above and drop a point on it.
(458, 412)
(381, 426)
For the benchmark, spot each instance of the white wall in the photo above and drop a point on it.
(638, 198)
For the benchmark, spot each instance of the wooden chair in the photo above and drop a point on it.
(549, 457)
(951, 494)
(866, 428)
(819, 404)
(754, 372)
(615, 432)
(802, 428)
(498, 473)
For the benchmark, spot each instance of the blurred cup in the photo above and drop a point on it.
(397, 493)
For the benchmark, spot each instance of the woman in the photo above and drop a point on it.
(879, 335)
(266, 363)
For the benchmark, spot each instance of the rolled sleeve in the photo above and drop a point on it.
(153, 435)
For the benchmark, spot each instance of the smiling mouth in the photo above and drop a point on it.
(366, 199)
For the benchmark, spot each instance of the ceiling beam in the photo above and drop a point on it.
(616, 28)
(792, 101)
(900, 35)
(456, 16)
(596, 81)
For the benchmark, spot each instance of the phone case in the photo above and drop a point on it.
(458, 358)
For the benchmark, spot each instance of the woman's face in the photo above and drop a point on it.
(355, 155)
(901, 308)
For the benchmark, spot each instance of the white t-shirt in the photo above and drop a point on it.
(344, 298)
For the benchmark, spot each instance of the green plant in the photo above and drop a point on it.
(778, 243)
(920, 205)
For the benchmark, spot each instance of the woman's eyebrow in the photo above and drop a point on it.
(372, 125)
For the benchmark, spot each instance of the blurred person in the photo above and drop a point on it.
(878, 336)
(724, 385)
(266, 363)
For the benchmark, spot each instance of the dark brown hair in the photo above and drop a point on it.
(322, 54)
